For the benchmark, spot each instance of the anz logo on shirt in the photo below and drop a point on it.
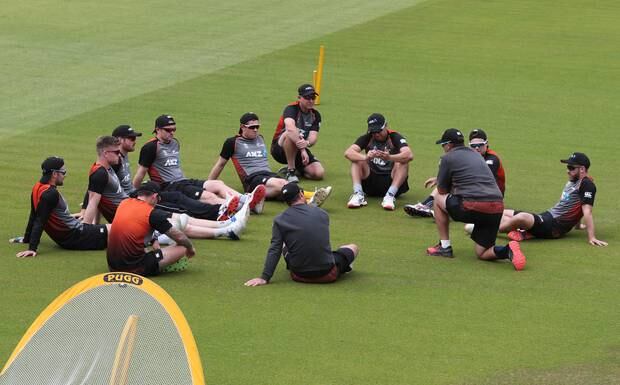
(378, 161)
(171, 162)
(256, 154)
(566, 194)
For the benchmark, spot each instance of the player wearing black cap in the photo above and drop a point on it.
(301, 233)
(49, 212)
(467, 192)
(248, 153)
(575, 203)
(479, 142)
(297, 131)
(379, 164)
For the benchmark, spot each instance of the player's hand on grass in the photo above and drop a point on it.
(430, 182)
(597, 242)
(26, 254)
(256, 282)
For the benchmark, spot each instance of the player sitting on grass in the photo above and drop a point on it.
(575, 203)
(301, 234)
(248, 153)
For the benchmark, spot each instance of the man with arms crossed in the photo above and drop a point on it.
(383, 169)
(467, 192)
(297, 131)
(301, 233)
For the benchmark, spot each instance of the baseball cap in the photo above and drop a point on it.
(53, 163)
(146, 187)
(451, 135)
(477, 133)
(376, 123)
(164, 120)
(306, 90)
(248, 116)
(125, 131)
(290, 191)
(577, 158)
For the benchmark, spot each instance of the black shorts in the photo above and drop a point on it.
(146, 264)
(343, 258)
(177, 202)
(91, 237)
(193, 188)
(545, 226)
(278, 154)
(251, 181)
(486, 217)
(377, 185)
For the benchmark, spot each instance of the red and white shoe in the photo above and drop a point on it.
(516, 256)
(257, 199)
(229, 208)
(519, 235)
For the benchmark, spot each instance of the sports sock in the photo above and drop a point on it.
(392, 190)
(445, 243)
(501, 252)
(357, 188)
(221, 232)
(429, 200)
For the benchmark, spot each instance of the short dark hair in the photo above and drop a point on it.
(106, 141)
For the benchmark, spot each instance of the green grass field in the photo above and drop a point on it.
(541, 77)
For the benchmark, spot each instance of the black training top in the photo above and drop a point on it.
(304, 230)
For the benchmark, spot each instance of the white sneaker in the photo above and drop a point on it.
(469, 228)
(388, 202)
(357, 200)
(320, 195)
(238, 222)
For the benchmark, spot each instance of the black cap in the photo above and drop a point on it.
(164, 120)
(451, 135)
(290, 191)
(248, 116)
(146, 187)
(125, 131)
(577, 158)
(306, 90)
(51, 164)
(477, 133)
(376, 123)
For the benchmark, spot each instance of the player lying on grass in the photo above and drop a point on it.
(248, 153)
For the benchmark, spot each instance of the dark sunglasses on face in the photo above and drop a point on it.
(63, 172)
(169, 130)
(253, 127)
(117, 152)
(477, 145)
(309, 97)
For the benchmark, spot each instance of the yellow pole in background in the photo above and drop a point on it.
(319, 74)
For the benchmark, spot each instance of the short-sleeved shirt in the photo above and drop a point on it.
(305, 231)
(132, 230)
(568, 211)
(392, 144)
(495, 164)
(162, 161)
(304, 121)
(249, 156)
(463, 172)
(105, 182)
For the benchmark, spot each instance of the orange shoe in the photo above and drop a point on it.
(229, 208)
(519, 235)
(516, 256)
(257, 199)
